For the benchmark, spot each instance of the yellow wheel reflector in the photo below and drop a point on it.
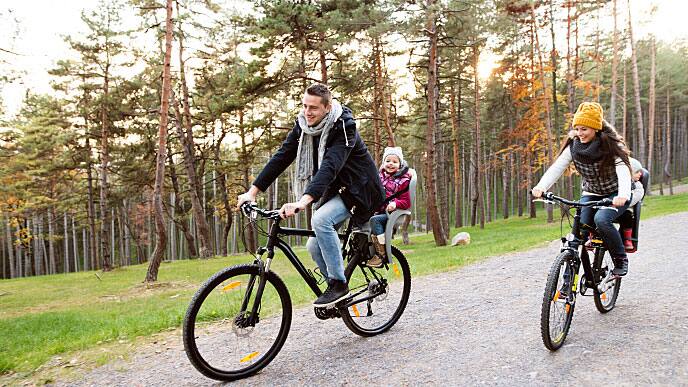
(355, 309)
(603, 296)
(396, 270)
(248, 357)
(556, 296)
(568, 307)
(231, 286)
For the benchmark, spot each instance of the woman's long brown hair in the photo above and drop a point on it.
(612, 145)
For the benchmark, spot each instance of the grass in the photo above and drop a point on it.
(41, 317)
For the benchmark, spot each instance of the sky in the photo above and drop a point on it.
(44, 23)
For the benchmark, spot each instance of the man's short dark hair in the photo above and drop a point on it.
(322, 91)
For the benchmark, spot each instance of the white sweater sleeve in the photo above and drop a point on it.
(556, 170)
(624, 176)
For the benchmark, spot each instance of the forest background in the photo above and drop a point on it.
(478, 93)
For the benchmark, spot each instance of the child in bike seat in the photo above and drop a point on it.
(600, 156)
(637, 194)
(395, 177)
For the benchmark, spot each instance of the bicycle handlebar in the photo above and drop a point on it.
(247, 208)
(552, 196)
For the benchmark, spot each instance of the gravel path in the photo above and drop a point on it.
(481, 325)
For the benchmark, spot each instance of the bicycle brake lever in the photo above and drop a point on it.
(544, 201)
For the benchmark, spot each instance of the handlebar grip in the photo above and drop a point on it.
(605, 202)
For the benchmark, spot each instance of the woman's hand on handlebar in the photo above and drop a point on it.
(536, 192)
(619, 201)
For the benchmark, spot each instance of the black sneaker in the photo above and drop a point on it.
(336, 291)
(620, 266)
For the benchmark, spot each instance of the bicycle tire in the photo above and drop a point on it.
(397, 280)
(216, 294)
(552, 304)
(602, 266)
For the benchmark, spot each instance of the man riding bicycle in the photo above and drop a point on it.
(334, 169)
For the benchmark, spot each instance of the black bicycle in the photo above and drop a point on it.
(239, 319)
(563, 281)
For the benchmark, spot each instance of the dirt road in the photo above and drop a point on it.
(480, 325)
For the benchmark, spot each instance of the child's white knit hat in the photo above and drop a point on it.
(393, 151)
(635, 165)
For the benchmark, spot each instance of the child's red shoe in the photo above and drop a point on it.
(627, 234)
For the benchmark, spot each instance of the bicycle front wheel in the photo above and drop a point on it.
(558, 302)
(223, 338)
(607, 289)
(379, 295)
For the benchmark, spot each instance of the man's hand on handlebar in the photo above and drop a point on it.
(248, 196)
(536, 192)
(290, 209)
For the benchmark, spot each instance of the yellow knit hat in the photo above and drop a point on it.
(588, 114)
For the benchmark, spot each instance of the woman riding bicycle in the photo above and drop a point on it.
(600, 156)
(333, 168)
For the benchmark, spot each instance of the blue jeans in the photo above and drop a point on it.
(378, 223)
(326, 248)
(602, 219)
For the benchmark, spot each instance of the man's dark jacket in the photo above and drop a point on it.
(346, 166)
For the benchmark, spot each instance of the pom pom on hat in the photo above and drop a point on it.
(588, 114)
(393, 151)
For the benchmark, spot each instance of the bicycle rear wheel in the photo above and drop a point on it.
(222, 338)
(558, 302)
(607, 289)
(379, 295)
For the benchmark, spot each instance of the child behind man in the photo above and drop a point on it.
(395, 177)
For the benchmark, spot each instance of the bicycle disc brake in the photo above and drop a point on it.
(241, 327)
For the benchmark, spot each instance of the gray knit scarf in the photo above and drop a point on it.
(304, 153)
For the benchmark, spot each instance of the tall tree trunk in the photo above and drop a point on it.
(667, 147)
(105, 231)
(323, 58)
(251, 239)
(161, 241)
(478, 198)
(615, 64)
(91, 209)
(180, 213)
(455, 111)
(66, 244)
(624, 104)
(651, 109)
(505, 185)
(75, 246)
(636, 91)
(187, 141)
(548, 113)
(10, 248)
(382, 99)
(555, 100)
(51, 241)
(222, 183)
(441, 186)
(431, 30)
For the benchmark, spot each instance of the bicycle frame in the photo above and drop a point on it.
(573, 244)
(575, 240)
(274, 240)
